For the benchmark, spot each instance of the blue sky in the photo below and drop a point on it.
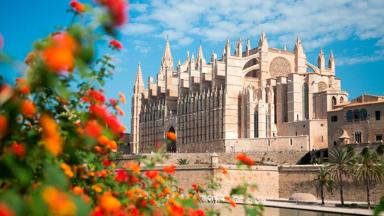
(352, 29)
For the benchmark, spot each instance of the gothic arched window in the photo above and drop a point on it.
(341, 99)
(356, 115)
(357, 137)
(305, 101)
(363, 114)
(334, 101)
(256, 124)
(349, 115)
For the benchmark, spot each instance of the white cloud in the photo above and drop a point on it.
(378, 55)
(319, 23)
(137, 28)
(139, 7)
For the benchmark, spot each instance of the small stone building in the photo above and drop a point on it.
(257, 99)
(358, 121)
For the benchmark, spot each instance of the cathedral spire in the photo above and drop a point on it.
(331, 63)
(166, 61)
(300, 58)
(239, 48)
(321, 60)
(139, 83)
(167, 51)
(248, 47)
(200, 57)
(263, 42)
(228, 48)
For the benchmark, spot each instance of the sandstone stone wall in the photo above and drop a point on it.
(289, 143)
(295, 179)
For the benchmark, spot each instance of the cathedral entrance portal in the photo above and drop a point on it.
(171, 145)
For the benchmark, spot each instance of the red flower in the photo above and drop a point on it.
(18, 149)
(3, 125)
(5, 210)
(22, 85)
(196, 187)
(97, 96)
(151, 174)
(121, 176)
(114, 124)
(243, 158)
(113, 101)
(77, 6)
(115, 44)
(177, 210)
(1, 42)
(93, 129)
(230, 201)
(117, 11)
(197, 212)
(107, 162)
(169, 169)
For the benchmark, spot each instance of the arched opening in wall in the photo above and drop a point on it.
(250, 63)
(305, 101)
(341, 100)
(357, 136)
(253, 74)
(334, 101)
(256, 124)
(171, 143)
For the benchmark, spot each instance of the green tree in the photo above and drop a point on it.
(341, 161)
(368, 171)
(324, 179)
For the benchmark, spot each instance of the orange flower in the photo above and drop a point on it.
(77, 6)
(3, 125)
(169, 169)
(77, 190)
(59, 203)
(103, 173)
(22, 85)
(230, 201)
(109, 203)
(133, 166)
(243, 158)
(103, 140)
(59, 55)
(18, 149)
(67, 170)
(177, 210)
(59, 59)
(197, 212)
(51, 137)
(4, 209)
(119, 110)
(112, 145)
(171, 136)
(28, 108)
(93, 129)
(224, 170)
(122, 97)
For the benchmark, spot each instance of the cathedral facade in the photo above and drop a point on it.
(252, 99)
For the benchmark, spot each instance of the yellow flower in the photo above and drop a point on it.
(109, 203)
(51, 137)
(122, 98)
(67, 169)
(59, 203)
(97, 188)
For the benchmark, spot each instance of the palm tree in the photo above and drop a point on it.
(325, 179)
(341, 161)
(369, 171)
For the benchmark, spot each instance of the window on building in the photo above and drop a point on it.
(357, 137)
(379, 137)
(356, 115)
(305, 101)
(377, 115)
(334, 143)
(256, 124)
(334, 101)
(334, 118)
(349, 115)
(363, 114)
(341, 99)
